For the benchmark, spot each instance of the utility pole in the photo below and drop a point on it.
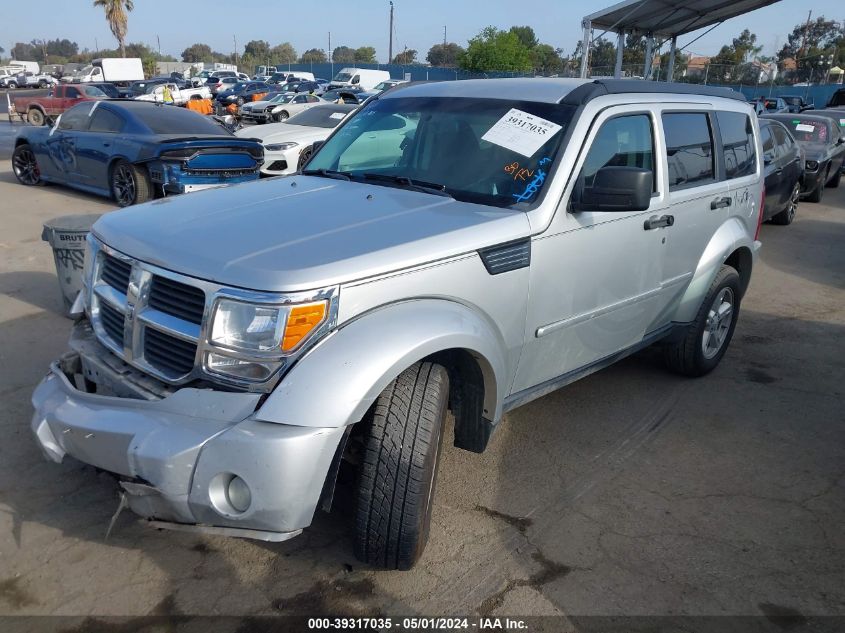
(235, 40)
(158, 39)
(390, 46)
(331, 53)
(444, 35)
(96, 46)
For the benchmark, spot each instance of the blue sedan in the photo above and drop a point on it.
(133, 151)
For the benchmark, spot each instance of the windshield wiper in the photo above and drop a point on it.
(408, 183)
(327, 173)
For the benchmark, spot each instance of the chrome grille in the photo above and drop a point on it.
(177, 299)
(112, 321)
(116, 273)
(170, 355)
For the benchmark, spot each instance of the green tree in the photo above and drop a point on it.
(197, 53)
(283, 54)
(444, 54)
(257, 49)
(493, 50)
(731, 63)
(314, 55)
(365, 55)
(546, 60)
(116, 11)
(526, 36)
(811, 44)
(343, 55)
(406, 57)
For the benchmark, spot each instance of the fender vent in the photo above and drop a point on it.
(506, 257)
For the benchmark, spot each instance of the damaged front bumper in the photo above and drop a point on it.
(176, 455)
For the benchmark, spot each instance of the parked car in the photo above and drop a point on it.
(217, 83)
(263, 78)
(43, 110)
(795, 103)
(241, 92)
(288, 145)
(311, 87)
(352, 96)
(138, 88)
(385, 85)
(281, 78)
(171, 93)
(824, 151)
(278, 107)
(837, 99)
(528, 233)
(109, 89)
(129, 150)
(783, 168)
(28, 79)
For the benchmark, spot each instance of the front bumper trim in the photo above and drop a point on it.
(259, 535)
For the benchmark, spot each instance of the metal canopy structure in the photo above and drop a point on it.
(665, 19)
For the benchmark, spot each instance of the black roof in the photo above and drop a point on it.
(600, 87)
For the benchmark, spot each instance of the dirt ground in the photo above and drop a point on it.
(630, 492)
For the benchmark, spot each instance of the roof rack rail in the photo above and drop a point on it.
(600, 87)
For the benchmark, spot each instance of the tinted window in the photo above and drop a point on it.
(782, 140)
(689, 146)
(71, 93)
(625, 141)
(169, 120)
(76, 118)
(768, 141)
(737, 144)
(105, 121)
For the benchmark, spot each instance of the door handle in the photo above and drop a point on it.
(655, 222)
(721, 203)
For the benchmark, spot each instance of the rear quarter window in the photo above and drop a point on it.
(738, 147)
(689, 148)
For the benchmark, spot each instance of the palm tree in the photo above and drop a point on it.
(116, 11)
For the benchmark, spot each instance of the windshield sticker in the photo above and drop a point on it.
(337, 115)
(842, 122)
(521, 132)
(803, 127)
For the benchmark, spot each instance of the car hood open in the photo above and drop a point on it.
(303, 233)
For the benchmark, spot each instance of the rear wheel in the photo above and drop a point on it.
(42, 84)
(710, 334)
(12, 85)
(281, 116)
(402, 438)
(35, 116)
(785, 217)
(25, 166)
(130, 184)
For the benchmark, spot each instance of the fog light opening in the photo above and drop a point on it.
(229, 494)
(238, 494)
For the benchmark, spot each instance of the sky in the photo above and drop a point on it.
(306, 24)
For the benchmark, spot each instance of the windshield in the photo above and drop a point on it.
(92, 91)
(491, 151)
(808, 131)
(170, 120)
(85, 70)
(384, 85)
(327, 116)
(342, 77)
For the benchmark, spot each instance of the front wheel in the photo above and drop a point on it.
(12, 85)
(785, 217)
(710, 334)
(304, 155)
(35, 117)
(402, 437)
(42, 84)
(834, 182)
(25, 166)
(281, 116)
(130, 184)
(818, 192)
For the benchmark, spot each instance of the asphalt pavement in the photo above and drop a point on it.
(631, 492)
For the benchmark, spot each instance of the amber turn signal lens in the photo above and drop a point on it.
(302, 320)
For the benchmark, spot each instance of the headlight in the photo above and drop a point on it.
(812, 165)
(279, 147)
(247, 326)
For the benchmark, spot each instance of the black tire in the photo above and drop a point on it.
(687, 356)
(130, 184)
(12, 85)
(35, 117)
(42, 84)
(402, 437)
(240, 101)
(818, 193)
(284, 115)
(785, 217)
(25, 166)
(304, 155)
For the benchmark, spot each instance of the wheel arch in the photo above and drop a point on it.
(730, 244)
(337, 382)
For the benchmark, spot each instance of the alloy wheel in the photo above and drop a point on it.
(792, 207)
(26, 167)
(123, 183)
(718, 323)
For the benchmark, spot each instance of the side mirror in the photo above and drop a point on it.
(768, 159)
(316, 146)
(617, 189)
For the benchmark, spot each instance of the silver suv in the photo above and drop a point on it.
(461, 246)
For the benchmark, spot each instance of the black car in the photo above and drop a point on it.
(311, 87)
(142, 87)
(796, 103)
(837, 99)
(824, 150)
(241, 92)
(112, 91)
(783, 170)
(344, 95)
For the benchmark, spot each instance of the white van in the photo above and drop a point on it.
(31, 67)
(114, 69)
(358, 77)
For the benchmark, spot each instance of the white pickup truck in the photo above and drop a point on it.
(178, 96)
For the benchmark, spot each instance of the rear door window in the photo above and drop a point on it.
(738, 147)
(782, 140)
(689, 148)
(105, 121)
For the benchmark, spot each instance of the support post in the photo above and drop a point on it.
(670, 72)
(649, 55)
(585, 48)
(620, 50)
